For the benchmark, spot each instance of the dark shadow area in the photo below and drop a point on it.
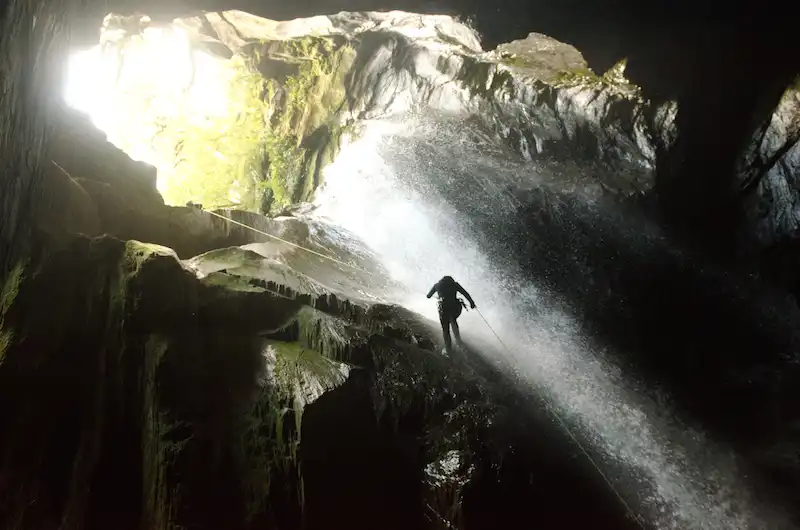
(363, 473)
(357, 473)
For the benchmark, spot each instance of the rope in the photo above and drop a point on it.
(548, 405)
(567, 430)
(295, 245)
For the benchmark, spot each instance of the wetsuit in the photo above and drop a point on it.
(449, 306)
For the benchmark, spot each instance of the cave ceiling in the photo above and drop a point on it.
(668, 44)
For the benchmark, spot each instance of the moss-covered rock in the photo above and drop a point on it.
(8, 294)
(303, 121)
(557, 64)
(307, 82)
(129, 355)
(97, 372)
(149, 388)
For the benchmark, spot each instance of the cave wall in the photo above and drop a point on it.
(768, 172)
(152, 386)
(321, 78)
(145, 397)
(91, 187)
(32, 58)
(85, 340)
(537, 96)
(671, 52)
(680, 52)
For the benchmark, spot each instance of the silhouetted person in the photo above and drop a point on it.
(450, 306)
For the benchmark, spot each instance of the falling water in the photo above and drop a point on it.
(400, 203)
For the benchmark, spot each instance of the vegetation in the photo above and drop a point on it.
(584, 76)
(614, 78)
(304, 104)
(254, 135)
(519, 61)
(218, 159)
(484, 79)
(8, 293)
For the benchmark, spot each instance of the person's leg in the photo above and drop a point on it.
(444, 320)
(456, 331)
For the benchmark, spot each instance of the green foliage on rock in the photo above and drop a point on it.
(613, 78)
(219, 159)
(264, 150)
(303, 130)
(8, 294)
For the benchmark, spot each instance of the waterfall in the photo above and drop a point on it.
(432, 196)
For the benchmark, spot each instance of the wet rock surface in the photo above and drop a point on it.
(251, 384)
(769, 170)
(153, 396)
(718, 344)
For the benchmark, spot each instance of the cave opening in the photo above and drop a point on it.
(193, 116)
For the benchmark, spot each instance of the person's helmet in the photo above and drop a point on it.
(448, 279)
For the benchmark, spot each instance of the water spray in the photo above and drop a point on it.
(548, 406)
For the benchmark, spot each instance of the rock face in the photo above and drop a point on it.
(250, 385)
(769, 171)
(158, 394)
(324, 75)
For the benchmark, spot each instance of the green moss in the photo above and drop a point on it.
(613, 78)
(299, 375)
(305, 103)
(232, 283)
(578, 77)
(8, 294)
(326, 334)
(517, 61)
(217, 159)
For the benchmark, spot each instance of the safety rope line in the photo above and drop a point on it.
(295, 245)
(549, 406)
(569, 432)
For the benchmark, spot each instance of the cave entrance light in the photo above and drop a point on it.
(163, 102)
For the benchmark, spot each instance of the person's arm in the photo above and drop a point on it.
(465, 293)
(433, 290)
